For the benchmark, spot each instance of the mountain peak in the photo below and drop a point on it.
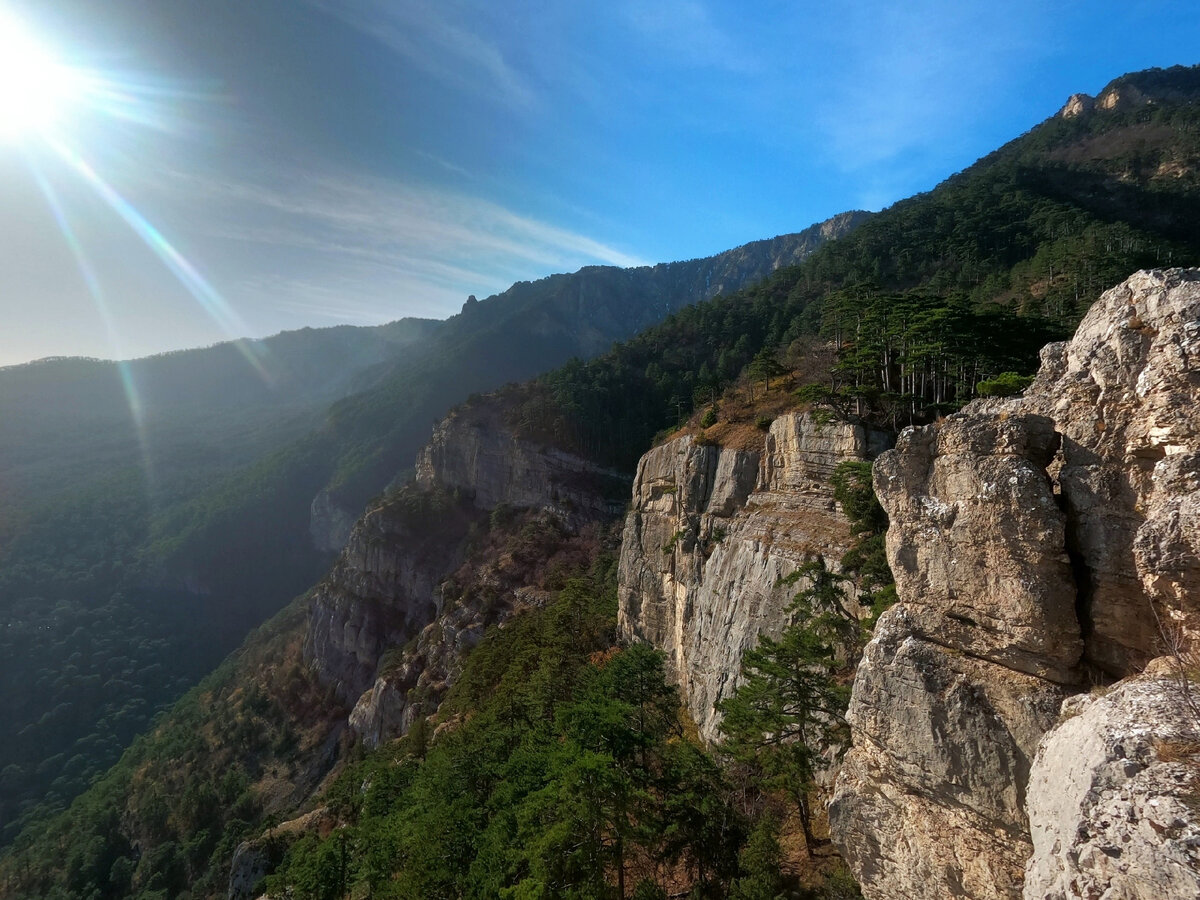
(1077, 105)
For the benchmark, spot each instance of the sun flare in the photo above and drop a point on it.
(36, 89)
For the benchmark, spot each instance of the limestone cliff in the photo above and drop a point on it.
(474, 452)
(427, 568)
(711, 533)
(1040, 544)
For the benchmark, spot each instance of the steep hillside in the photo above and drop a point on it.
(373, 647)
(90, 453)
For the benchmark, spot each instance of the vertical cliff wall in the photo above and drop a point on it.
(711, 533)
(427, 569)
(1040, 544)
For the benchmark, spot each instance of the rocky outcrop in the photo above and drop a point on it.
(389, 626)
(977, 541)
(1037, 542)
(930, 801)
(383, 589)
(712, 532)
(962, 679)
(329, 524)
(474, 452)
(1077, 105)
(255, 859)
(1113, 795)
(1123, 395)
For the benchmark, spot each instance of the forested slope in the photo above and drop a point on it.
(153, 512)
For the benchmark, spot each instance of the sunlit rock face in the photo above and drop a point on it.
(1112, 795)
(1039, 543)
(474, 452)
(712, 531)
(1124, 394)
(964, 676)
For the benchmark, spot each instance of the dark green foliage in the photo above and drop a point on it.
(789, 709)
(925, 299)
(1003, 385)
(865, 563)
(709, 419)
(566, 761)
(168, 816)
(214, 514)
(760, 862)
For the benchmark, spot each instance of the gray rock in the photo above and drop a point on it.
(329, 525)
(1010, 559)
(1123, 394)
(711, 533)
(379, 627)
(929, 803)
(1113, 798)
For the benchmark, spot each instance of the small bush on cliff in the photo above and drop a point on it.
(866, 560)
(1003, 385)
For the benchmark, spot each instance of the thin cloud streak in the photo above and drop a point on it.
(367, 249)
(428, 39)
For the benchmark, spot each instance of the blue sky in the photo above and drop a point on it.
(284, 163)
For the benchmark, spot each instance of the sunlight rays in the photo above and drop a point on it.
(37, 93)
(88, 273)
(185, 273)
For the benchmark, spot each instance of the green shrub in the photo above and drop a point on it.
(1003, 385)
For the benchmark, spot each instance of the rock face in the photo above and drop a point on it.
(964, 676)
(1037, 542)
(329, 525)
(1123, 395)
(1077, 105)
(977, 542)
(388, 623)
(711, 533)
(930, 800)
(474, 452)
(382, 590)
(1112, 797)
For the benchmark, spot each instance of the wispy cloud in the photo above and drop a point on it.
(433, 38)
(363, 248)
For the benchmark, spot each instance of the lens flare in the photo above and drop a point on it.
(38, 92)
(35, 88)
(187, 275)
(88, 273)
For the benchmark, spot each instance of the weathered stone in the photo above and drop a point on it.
(329, 524)
(1123, 393)
(977, 544)
(997, 588)
(929, 803)
(1113, 798)
(474, 451)
(379, 625)
(711, 533)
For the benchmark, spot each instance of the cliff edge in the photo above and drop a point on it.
(1042, 546)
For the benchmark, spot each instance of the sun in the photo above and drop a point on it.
(36, 89)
